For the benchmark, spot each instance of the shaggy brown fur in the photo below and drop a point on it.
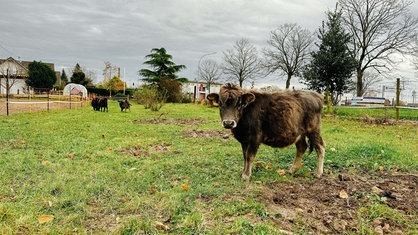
(276, 119)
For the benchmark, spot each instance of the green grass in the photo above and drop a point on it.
(379, 113)
(78, 166)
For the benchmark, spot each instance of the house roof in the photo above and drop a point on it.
(24, 64)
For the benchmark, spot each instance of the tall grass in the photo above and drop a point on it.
(108, 173)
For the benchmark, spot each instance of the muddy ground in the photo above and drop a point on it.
(385, 203)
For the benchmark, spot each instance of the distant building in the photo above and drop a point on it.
(199, 90)
(17, 71)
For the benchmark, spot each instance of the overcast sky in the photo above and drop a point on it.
(124, 31)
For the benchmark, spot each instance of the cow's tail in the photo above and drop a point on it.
(311, 146)
(315, 141)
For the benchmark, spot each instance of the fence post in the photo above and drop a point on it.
(398, 92)
(7, 93)
(71, 99)
(48, 100)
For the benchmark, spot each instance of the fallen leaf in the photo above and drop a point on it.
(268, 166)
(376, 190)
(70, 155)
(45, 218)
(45, 162)
(152, 190)
(124, 200)
(343, 194)
(259, 164)
(161, 226)
(185, 187)
(281, 172)
(380, 168)
(378, 230)
(110, 148)
(386, 228)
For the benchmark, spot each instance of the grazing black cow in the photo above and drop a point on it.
(95, 104)
(103, 104)
(276, 119)
(124, 105)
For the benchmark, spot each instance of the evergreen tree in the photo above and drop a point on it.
(332, 66)
(79, 77)
(64, 78)
(162, 67)
(163, 75)
(41, 76)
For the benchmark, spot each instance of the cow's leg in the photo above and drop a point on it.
(301, 147)
(320, 152)
(249, 151)
(318, 144)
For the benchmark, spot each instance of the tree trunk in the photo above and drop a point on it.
(289, 76)
(359, 82)
(328, 100)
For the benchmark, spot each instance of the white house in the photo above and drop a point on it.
(15, 73)
(199, 90)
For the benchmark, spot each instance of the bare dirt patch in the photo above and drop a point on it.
(206, 134)
(175, 121)
(139, 151)
(338, 204)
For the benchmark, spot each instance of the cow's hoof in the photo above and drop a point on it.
(294, 169)
(245, 177)
(318, 175)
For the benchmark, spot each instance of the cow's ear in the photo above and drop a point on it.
(213, 97)
(247, 98)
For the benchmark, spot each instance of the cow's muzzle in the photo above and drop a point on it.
(229, 124)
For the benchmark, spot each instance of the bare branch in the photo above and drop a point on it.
(242, 63)
(210, 72)
(290, 50)
(380, 29)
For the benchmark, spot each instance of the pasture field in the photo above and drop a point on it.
(381, 113)
(177, 171)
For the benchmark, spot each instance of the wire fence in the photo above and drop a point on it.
(29, 103)
(380, 112)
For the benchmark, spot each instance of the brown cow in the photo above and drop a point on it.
(276, 119)
(124, 105)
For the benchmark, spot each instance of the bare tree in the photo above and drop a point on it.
(415, 51)
(370, 80)
(109, 71)
(290, 50)
(380, 28)
(210, 72)
(242, 63)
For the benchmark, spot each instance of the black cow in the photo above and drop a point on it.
(95, 104)
(276, 119)
(103, 104)
(124, 105)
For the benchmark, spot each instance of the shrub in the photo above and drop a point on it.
(150, 97)
(172, 88)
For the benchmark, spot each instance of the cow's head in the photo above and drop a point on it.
(232, 101)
